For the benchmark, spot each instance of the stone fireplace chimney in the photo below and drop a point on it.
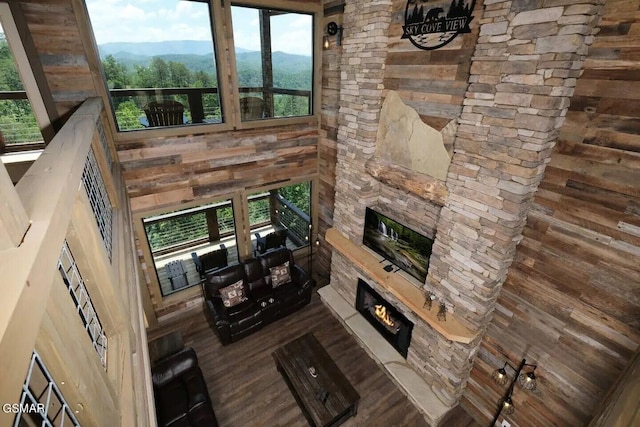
(514, 105)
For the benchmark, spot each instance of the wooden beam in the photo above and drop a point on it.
(418, 184)
(48, 191)
(621, 406)
(267, 60)
(14, 221)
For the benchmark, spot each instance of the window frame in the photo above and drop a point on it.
(228, 80)
(315, 12)
(240, 204)
(32, 77)
(190, 292)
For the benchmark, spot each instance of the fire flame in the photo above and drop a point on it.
(381, 312)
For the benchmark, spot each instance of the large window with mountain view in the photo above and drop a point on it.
(161, 68)
(159, 61)
(274, 62)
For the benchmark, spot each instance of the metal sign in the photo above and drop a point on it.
(432, 24)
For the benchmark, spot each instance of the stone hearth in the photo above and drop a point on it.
(407, 379)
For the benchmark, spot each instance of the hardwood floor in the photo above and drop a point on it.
(247, 390)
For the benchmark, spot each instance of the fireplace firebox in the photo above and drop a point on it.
(388, 321)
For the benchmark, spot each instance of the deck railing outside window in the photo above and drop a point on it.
(186, 228)
(18, 126)
(296, 221)
(201, 105)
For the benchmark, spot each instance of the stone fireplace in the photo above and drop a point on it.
(498, 140)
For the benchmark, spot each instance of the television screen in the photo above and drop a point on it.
(404, 247)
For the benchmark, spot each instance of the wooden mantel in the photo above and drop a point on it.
(400, 287)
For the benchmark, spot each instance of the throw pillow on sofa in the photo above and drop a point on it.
(280, 274)
(233, 294)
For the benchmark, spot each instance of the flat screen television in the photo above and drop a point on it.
(404, 247)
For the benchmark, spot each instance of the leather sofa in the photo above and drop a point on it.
(258, 295)
(180, 392)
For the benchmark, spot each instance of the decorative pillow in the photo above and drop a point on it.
(233, 294)
(280, 274)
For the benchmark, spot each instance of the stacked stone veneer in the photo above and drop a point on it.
(523, 72)
(524, 68)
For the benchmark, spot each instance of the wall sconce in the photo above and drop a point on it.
(332, 30)
(526, 379)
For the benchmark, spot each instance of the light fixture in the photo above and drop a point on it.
(333, 29)
(500, 375)
(507, 406)
(526, 379)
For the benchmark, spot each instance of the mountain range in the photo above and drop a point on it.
(196, 55)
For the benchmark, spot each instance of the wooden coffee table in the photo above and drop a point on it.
(322, 391)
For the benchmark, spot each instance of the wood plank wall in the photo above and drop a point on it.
(433, 82)
(57, 40)
(328, 141)
(166, 171)
(571, 302)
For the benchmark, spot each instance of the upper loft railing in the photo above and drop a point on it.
(65, 234)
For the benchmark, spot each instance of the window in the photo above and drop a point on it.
(159, 61)
(40, 392)
(274, 62)
(19, 129)
(177, 238)
(82, 301)
(161, 67)
(286, 209)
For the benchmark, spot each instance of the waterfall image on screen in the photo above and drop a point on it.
(404, 247)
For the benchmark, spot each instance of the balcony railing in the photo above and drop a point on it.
(187, 228)
(296, 221)
(202, 105)
(18, 126)
(176, 231)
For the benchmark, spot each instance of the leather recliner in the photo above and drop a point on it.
(264, 303)
(181, 395)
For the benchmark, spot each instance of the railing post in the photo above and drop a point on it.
(196, 107)
(274, 207)
(212, 224)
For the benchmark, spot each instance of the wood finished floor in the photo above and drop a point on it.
(247, 390)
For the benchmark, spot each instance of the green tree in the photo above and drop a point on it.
(180, 76)
(116, 73)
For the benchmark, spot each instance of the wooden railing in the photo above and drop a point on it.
(47, 207)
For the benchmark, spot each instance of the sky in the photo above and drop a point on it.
(160, 20)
